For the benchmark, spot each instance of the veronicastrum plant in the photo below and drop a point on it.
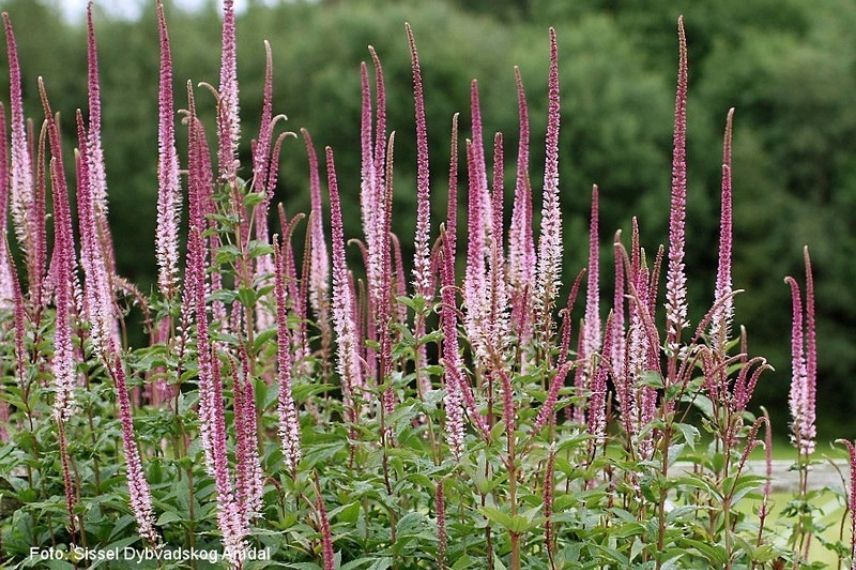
(362, 415)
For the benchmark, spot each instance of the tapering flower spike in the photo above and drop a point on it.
(548, 409)
(328, 556)
(169, 187)
(521, 247)
(811, 349)
(720, 326)
(451, 234)
(676, 277)
(550, 241)
(479, 178)
(618, 354)
(62, 210)
(453, 400)
(228, 119)
(319, 269)
(498, 307)
(289, 422)
(421, 257)
(22, 171)
(98, 306)
(138, 487)
(249, 479)
(98, 175)
(7, 293)
(349, 365)
(62, 276)
(798, 397)
(475, 283)
(592, 334)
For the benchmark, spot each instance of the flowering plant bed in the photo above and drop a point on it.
(294, 407)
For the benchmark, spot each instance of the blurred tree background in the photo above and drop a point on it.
(788, 66)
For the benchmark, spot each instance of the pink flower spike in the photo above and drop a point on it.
(811, 348)
(480, 174)
(548, 408)
(475, 285)
(328, 555)
(550, 241)
(98, 305)
(453, 400)
(498, 309)
(7, 292)
(720, 326)
(138, 487)
(521, 248)
(592, 333)
(348, 356)
(22, 172)
(169, 187)
(452, 202)
(319, 269)
(228, 119)
(676, 278)
(98, 176)
(798, 399)
(421, 257)
(440, 514)
(289, 421)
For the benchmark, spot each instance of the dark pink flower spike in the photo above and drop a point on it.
(592, 333)
(384, 324)
(676, 278)
(618, 354)
(479, 162)
(21, 172)
(98, 303)
(498, 313)
(452, 205)
(7, 293)
(262, 145)
(380, 138)
(169, 186)
(521, 247)
(453, 399)
(811, 348)
(138, 487)
(475, 285)
(548, 408)
(98, 176)
(798, 399)
(328, 555)
(319, 270)
(720, 326)
(550, 241)
(421, 256)
(289, 421)
(348, 356)
(228, 119)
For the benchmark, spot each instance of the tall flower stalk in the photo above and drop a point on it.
(169, 188)
(550, 241)
(676, 278)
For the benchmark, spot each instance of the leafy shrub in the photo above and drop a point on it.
(365, 418)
